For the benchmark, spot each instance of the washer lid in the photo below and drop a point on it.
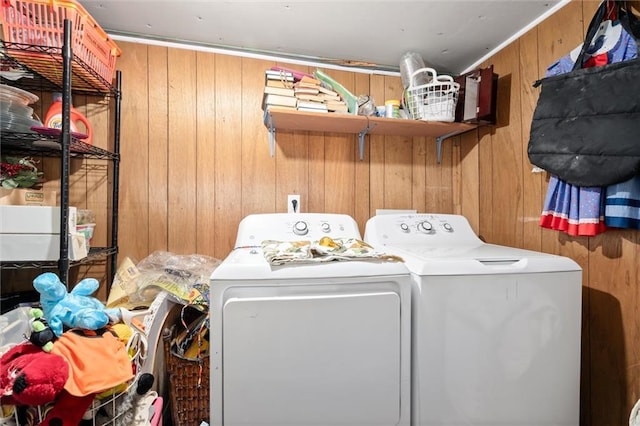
(445, 244)
(250, 264)
(479, 259)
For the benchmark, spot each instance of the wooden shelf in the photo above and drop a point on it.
(286, 119)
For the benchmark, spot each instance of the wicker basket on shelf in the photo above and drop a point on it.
(188, 386)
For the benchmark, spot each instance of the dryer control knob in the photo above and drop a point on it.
(300, 228)
(325, 227)
(425, 227)
(404, 227)
(447, 227)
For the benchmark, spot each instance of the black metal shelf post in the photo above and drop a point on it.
(65, 163)
(116, 176)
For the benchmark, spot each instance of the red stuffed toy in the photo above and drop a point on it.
(29, 376)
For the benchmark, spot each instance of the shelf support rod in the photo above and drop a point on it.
(272, 134)
(361, 136)
(441, 139)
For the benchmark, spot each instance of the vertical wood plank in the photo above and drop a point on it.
(433, 175)
(469, 201)
(613, 296)
(438, 177)
(133, 221)
(182, 151)
(418, 175)
(317, 198)
(398, 167)
(533, 194)
(158, 148)
(205, 148)
(258, 168)
(485, 166)
(632, 342)
(507, 151)
(228, 154)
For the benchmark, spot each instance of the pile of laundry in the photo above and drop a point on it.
(75, 361)
(324, 250)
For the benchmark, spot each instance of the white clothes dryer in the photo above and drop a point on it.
(495, 330)
(308, 344)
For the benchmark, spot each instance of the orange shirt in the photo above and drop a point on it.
(98, 361)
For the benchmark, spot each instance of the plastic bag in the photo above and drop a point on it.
(184, 277)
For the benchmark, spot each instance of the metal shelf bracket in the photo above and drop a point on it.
(361, 136)
(441, 139)
(272, 136)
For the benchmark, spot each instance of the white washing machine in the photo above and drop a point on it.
(495, 330)
(308, 344)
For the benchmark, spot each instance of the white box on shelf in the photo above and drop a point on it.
(39, 247)
(34, 220)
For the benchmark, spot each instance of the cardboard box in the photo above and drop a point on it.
(28, 197)
(34, 220)
(39, 247)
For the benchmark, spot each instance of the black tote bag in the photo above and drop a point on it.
(586, 125)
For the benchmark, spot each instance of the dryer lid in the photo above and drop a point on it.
(250, 264)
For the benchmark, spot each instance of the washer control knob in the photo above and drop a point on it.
(447, 227)
(425, 227)
(325, 227)
(300, 228)
(404, 227)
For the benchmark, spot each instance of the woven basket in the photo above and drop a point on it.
(188, 387)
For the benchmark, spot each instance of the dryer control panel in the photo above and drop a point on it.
(423, 229)
(256, 228)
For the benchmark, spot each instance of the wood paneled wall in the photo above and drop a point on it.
(195, 155)
(195, 161)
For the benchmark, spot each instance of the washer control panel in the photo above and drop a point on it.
(423, 229)
(256, 228)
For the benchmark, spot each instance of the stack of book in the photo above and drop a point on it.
(307, 90)
(313, 95)
(296, 90)
(278, 90)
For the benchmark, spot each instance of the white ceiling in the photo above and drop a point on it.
(452, 36)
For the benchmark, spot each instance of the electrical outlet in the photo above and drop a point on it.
(293, 203)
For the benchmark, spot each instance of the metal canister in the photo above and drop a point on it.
(392, 108)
